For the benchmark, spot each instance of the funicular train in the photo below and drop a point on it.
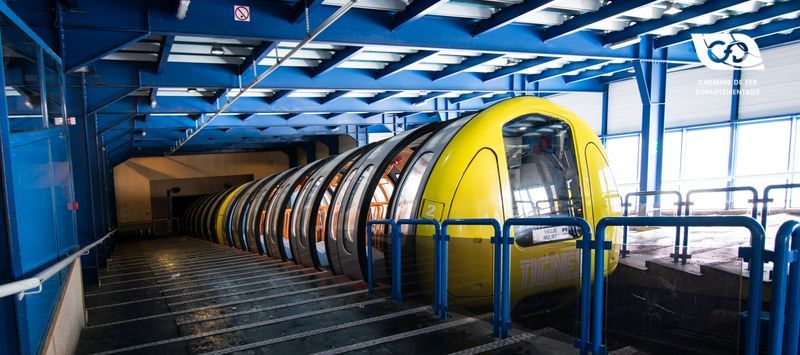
(522, 157)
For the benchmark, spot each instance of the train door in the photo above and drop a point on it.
(541, 164)
(368, 198)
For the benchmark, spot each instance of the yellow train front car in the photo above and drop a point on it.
(522, 157)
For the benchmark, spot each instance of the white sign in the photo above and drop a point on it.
(241, 13)
(728, 51)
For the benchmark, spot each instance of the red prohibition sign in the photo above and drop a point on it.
(242, 13)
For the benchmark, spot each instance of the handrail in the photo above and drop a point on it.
(753, 212)
(496, 240)
(624, 252)
(753, 254)
(21, 287)
(766, 200)
(585, 269)
(436, 253)
(783, 328)
(392, 230)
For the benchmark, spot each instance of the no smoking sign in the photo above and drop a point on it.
(241, 13)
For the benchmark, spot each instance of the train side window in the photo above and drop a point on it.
(543, 175)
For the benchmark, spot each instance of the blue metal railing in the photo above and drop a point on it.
(584, 245)
(624, 252)
(766, 200)
(784, 325)
(752, 254)
(436, 254)
(688, 203)
(496, 241)
(393, 233)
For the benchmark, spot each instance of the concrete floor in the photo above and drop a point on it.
(182, 295)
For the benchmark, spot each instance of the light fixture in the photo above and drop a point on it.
(142, 133)
(28, 102)
(153, 103)
(217, 49)
(192, 90)
(183, 8)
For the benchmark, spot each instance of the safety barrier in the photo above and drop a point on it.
(731, 189)
(436, 253)
(584, 245)
(624, 252)
(391, 230)
(786, 258)
(766, 200)
(444, 238)
(784, 325)
(752, 254)
(23, 287)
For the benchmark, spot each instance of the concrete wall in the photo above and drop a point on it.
(70, 317)
(133, 177)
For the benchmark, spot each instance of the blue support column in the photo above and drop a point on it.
(734, 117)
(651, 79)
(604, 116)
(84, 133)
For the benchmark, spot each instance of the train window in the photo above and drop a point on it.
(408, 191)
(339, 198)
(543, 174)
(352, 213)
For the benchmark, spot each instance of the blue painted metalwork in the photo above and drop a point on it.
(507, 240)
(688, 13)
(338, 58)
(414, 11)
(651, 80)
(496, 240)
(526, 64)
(465, 65)
(407, 61)
(766, 200)
(437, 268)
(605, 70)
(250, 64)
(783, 325)
(392, 230)
(765, 13)
(509, 15)
(728, 191)
(555, 72)
(163, 53)
(642, 205)
(278, 95)
(754, 254)
(580, 22)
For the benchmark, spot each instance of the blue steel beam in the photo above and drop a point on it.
(580, 22)
(495, 98)
(383, 96)
(333, 96)
(466, 97)
(299, 12)
(432, 95)
(688, 13)
(278, 95)
(555, 72)
(259, 53)
(209, 76)
(591, 74)
(415, 10)
(86, 46)
(730, 23)
(119, 96)
(334, 61)
(221, 93)
(509, 14)
(407, 61)
(360, 27)
(163, 53)
(465, 65)
(526, 64)
(773, 28)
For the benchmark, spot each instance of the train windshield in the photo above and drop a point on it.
(543, 174)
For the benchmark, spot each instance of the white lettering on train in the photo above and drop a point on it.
(549, 269)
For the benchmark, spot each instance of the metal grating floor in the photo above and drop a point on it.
(183, 295)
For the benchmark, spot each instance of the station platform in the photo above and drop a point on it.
(181, 295)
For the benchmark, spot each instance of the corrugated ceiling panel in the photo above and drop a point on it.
(587, 105)
(624, 107)
(778, 88)
(698, 96)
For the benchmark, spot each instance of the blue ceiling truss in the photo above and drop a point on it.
(138, 112)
